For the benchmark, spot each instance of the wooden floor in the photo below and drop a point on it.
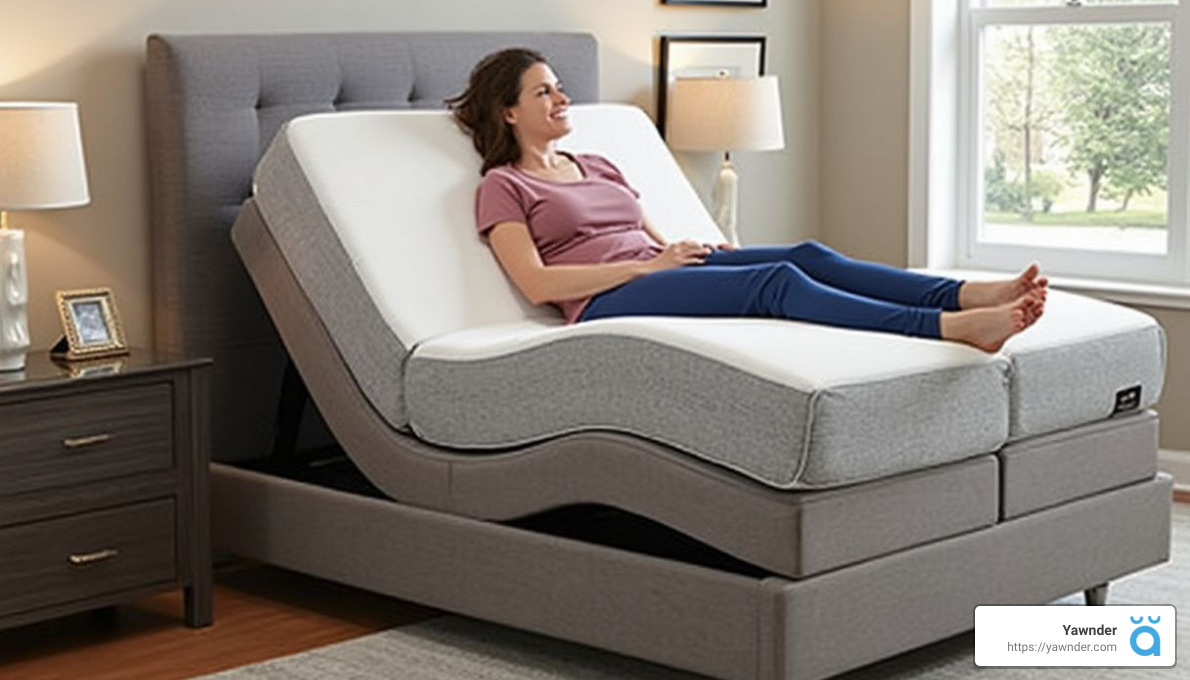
(260, 613)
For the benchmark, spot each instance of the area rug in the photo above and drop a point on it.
(456, 648)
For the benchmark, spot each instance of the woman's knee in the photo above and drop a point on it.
(812, 249)
(779, 285)
(783, 274)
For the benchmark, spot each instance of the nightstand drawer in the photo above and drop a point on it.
(66, 440)
(71, 558)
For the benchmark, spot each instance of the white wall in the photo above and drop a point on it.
(92, 52)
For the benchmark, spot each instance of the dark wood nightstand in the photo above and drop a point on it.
(103, 485)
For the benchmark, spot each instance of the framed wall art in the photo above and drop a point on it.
(719, 3)
(705, 56)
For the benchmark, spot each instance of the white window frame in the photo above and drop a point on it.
(946, 173)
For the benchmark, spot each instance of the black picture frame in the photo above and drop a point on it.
(666, 62)
(719, 3)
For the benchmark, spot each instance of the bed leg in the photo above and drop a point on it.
(1096, 596)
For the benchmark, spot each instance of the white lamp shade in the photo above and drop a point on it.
(41, 156)
(725, 114)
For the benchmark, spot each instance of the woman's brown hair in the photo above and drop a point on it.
(494, 87)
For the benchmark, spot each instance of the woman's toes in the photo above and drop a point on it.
(1030, 273)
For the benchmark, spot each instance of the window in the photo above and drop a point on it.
(1070, 136)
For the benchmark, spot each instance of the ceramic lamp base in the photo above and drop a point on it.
(725, 199)
(12, 363)
(14, 299)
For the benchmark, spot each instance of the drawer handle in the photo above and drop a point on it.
(92, 558)
(79, 442)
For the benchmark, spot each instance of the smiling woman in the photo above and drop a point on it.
(568, 229)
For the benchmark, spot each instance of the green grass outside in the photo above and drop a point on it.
(1107, 218)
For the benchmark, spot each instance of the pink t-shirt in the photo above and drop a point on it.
(596, 219)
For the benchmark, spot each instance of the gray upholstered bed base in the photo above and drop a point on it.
(214, 102)
(708, 621)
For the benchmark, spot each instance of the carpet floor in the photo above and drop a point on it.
(456, 648)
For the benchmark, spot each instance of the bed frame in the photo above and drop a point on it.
(214, 102)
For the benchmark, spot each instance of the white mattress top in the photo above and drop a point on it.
(1068, 318)
(804, 356)
(398, 187)
(409, 231)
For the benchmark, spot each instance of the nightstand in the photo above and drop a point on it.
(103, 485)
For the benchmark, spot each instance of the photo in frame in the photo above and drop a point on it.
(705, 56)
(90, 324)
(719, 3)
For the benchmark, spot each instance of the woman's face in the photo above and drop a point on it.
(540, 111)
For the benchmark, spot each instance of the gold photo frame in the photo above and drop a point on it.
(90, 324)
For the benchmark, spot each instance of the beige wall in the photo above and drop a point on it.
(91, 52)
(864, 114)
(864, 152)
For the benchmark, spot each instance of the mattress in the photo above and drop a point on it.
(792, 405)
(789, 404)
(1086, 360)
(373, 212)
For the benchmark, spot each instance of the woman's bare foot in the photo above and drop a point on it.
(978, 294)
(1035, 307)
(988, 328)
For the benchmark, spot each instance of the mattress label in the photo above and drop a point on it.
(1127, 399)
(1047, 635)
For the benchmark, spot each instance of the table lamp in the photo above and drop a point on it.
(41, 167)
(726, 114)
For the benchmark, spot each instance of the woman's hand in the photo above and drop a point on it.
(725, 246)
(679, 254)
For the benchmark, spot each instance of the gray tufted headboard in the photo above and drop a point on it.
(213, 104)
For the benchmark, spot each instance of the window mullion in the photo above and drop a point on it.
(1094, 14)
(1179, 144)
(968, 142)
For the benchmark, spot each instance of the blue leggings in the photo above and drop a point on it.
(807, 282)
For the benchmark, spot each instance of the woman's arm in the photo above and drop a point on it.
(651, 230)
(542, 283)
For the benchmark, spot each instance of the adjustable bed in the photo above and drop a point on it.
(742, 498)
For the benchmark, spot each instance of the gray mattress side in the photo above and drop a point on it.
(875, 429)
(770, 432)
(323, 269)
(1069, 385)
(605, 382)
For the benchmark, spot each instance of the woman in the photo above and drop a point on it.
(568, 230)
